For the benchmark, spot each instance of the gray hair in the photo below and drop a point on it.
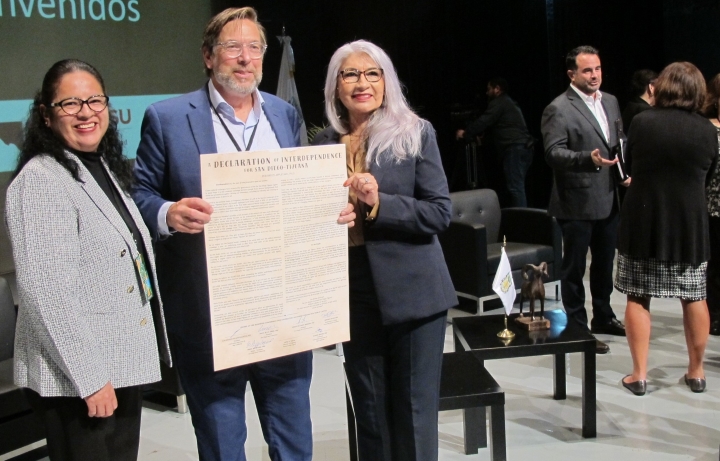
(393, 127)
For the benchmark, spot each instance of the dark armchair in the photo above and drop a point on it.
(472, 243)
(18, 424)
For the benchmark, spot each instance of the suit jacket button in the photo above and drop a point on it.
(143, 322)
(130, 289)
(122, 253)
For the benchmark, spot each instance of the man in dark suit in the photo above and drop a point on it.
(578, 130)
(228, 114)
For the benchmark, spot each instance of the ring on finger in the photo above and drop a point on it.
(366, 180)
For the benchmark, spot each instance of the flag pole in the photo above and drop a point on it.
(505, 334)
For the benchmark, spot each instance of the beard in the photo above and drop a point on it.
(232, 85)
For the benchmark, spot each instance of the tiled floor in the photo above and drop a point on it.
(669, 423)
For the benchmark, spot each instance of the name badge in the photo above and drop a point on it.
(144, 277)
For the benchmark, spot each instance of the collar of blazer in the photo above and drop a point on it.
(201, 126)
(200, 122)
(580, 105)
(101, 200)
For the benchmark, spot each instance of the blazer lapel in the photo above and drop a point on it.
(97, 195)
(377, 169)
(134, 213)
(201, 124)
(580, 105)
(284, 137)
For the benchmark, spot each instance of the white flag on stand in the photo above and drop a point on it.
(286, 83)
(503, 283)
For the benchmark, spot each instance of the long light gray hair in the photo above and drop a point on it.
(393, 127)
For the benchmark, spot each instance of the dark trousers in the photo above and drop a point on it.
(516, 161)
(281, 388)
(394, 375)
(713, 270)
(74, 436)
(601, 237)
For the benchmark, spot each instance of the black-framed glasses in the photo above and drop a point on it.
(350, 75)
(232, 49)
(72, 106)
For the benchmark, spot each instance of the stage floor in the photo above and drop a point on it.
(669, 423)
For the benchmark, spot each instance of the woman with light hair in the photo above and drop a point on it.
(400, 288)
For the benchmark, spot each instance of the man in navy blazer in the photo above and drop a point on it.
(578, 130)
(175, 133)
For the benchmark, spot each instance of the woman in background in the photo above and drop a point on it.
(643, 84)
(90, 328)
(400, 288)
(663, 240)
(712, 112)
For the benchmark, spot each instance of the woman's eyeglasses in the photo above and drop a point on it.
(72, 106)
(350, 75)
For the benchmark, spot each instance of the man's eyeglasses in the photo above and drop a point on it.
(232, 49)
(351, 75)
(72, 106)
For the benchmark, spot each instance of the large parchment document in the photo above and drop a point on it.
(276, 257)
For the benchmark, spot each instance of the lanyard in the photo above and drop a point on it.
(232, 138)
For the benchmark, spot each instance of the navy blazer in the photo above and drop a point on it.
(570, 132)
(175, 132)
(408, 267)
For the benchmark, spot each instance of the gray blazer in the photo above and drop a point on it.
(570, 132)
(83, 318)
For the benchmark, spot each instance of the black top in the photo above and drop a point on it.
(505, 118)
(664, 215)
(634, 107)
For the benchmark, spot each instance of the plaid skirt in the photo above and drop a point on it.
(648, 277)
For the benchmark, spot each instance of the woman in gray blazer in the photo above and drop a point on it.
(400, 288)
(90, 328)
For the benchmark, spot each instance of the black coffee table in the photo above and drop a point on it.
(479, 335)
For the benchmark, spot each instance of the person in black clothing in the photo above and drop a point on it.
(663, 241)
(513, 142)
(643, 85)
(712, 112)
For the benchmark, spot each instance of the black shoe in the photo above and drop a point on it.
(613, 327)
(636, 387)
(601, 347)
(715, 328)
(696, 385)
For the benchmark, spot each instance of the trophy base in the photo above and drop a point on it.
(526, 323)
(506, 334)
